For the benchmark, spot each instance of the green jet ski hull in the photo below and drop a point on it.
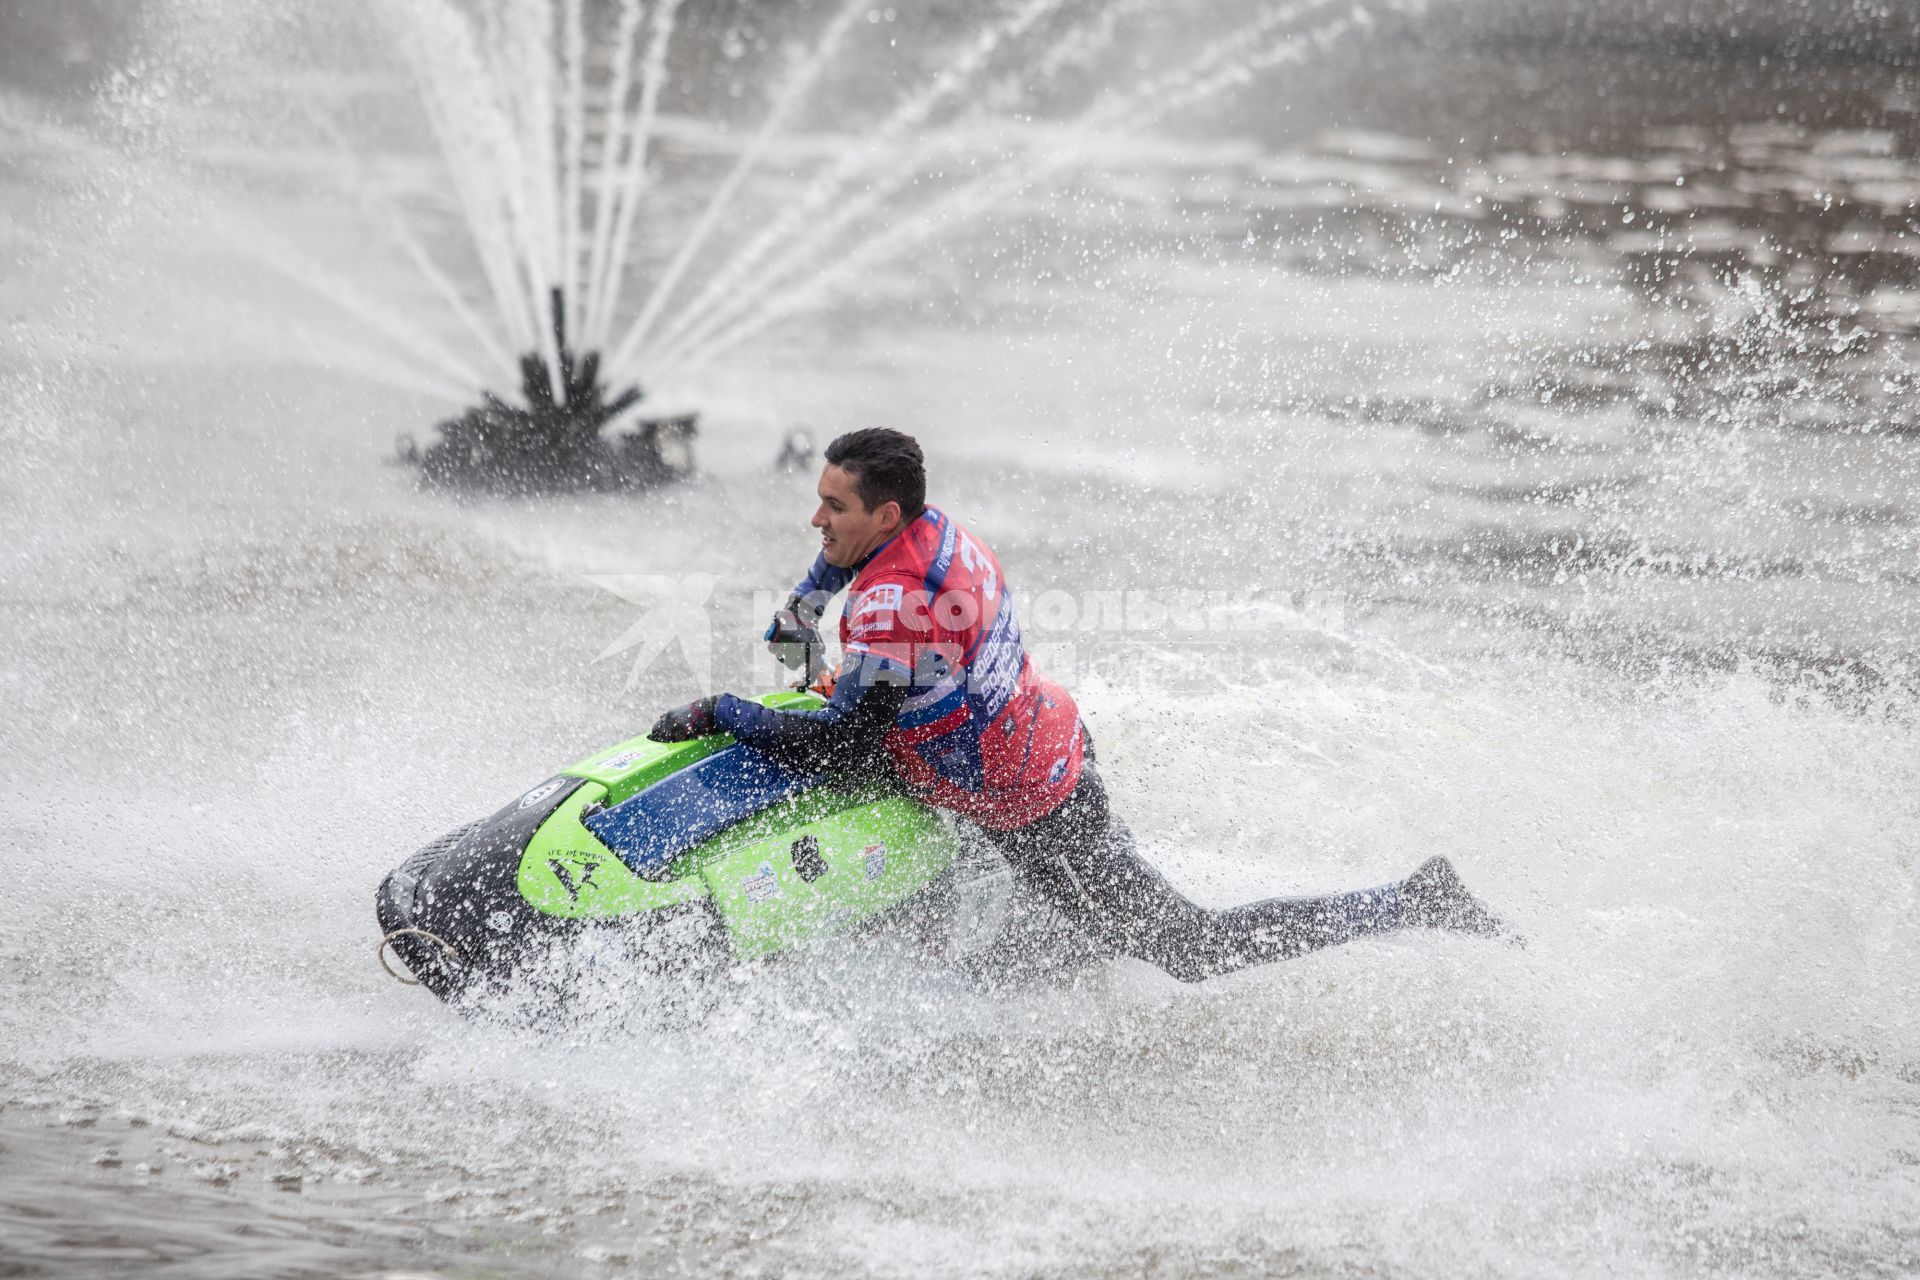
(560, 871)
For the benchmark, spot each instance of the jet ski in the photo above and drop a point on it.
(684, 857)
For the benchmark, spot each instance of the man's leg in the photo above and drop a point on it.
(1082, 860)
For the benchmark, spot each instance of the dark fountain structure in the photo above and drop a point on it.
(557, 443)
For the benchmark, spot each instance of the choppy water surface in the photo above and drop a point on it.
(1388, 475)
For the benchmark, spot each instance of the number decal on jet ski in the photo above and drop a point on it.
(807, 862)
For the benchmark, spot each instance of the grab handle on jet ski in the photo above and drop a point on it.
(435, 938)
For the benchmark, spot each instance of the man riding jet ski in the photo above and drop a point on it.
(936, 690)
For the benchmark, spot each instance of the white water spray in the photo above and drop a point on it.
(633, 177)
(392, 222)
(798, 86)
(574, 20)
(612, 144)
(1207, 74)
(476, 141)
(880, 158)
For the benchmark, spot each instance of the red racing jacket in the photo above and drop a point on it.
(981, 732)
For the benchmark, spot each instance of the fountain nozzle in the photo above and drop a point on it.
(555, 443)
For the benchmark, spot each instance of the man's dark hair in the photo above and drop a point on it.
(886, 466)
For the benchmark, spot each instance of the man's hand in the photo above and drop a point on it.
(684, 724)
(794, 640)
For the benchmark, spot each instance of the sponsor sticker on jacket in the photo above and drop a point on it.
(763, 885)
(876, 860)
(880, 599)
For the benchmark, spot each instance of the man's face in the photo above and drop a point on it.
(848, 531)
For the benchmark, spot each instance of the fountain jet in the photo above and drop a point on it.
(551, 173)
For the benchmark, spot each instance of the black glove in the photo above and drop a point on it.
(794, 640)
(684, 724)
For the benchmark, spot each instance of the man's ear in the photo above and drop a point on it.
(895, 522)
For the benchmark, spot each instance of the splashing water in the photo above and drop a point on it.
(1506, 452)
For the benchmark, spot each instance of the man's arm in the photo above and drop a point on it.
(843, 737)
(793, 636)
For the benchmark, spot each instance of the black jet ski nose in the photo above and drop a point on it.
(404, 909)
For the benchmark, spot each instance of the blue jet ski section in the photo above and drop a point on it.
(648, 830)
